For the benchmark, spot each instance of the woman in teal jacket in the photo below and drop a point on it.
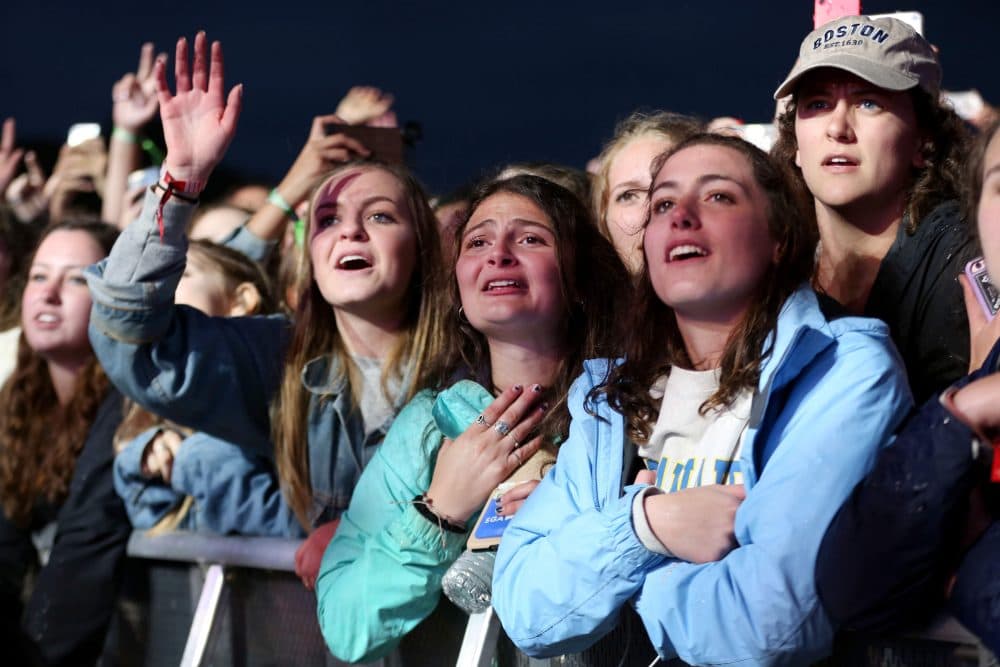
(715, 552)
(536, 284)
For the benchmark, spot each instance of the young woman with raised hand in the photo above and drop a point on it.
(620, 192)
(534, 288)
(61, 519)
(757, 411)
(327, 385)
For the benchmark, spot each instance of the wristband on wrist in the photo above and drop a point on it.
(275, 198)
(187, 191)
(425, 506)
(121, 134)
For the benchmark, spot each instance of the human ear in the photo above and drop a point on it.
(246, 300)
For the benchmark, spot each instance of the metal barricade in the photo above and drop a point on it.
(191, 599)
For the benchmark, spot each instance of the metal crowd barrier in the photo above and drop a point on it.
(191, 600)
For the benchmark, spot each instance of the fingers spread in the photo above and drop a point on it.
(182, 76)
(7, 136)
(199, 73)
(145, 61)
(217, 74)
(160, 76)
(232, 112)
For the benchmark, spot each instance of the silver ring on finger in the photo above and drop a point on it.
(502, 427)
(481, 420)
(517, 455)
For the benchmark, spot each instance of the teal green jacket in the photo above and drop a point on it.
(381, 574)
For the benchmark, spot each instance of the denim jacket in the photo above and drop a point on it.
(232, 491)
(212, 374)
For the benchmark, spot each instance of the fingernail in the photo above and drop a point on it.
(517, 388)
(537, 388)
(499, 508)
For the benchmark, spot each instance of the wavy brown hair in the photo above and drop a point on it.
(315, 333)
(653, 342)
(593, 282)
(40, 439)
(946, 145)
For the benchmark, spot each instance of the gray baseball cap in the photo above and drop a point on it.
(885, 52)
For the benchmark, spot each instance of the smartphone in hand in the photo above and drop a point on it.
(985, 290)
(385, 143)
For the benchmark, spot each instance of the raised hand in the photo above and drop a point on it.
(26, 193)
(363, 105)
(134, 95)
(471, 466)
(199, 120)
(321, 153)
(696, 524)
(10, 155)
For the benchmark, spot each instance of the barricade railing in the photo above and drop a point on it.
(192, 599)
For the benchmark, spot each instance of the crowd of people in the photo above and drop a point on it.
(758, 393)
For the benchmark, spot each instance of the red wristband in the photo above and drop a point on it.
(185, 190)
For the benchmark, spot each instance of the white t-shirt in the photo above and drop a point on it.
(689, 448)
(693, 449)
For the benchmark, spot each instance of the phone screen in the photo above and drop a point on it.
(385, 143)
(81, 132)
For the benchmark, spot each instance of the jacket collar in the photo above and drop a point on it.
(323, 376)
(801, 328)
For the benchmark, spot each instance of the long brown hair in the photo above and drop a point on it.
(946, 145)
(39, 439)
(594, 284)
(315, 334)
(653, 342)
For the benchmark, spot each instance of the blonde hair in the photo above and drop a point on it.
(673, 127)
(315, 333)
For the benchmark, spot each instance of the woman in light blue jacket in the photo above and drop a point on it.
(771, 411)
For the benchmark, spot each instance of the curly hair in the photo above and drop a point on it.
(39, 438)
(594, 284)
(946, 144)
(653, 342)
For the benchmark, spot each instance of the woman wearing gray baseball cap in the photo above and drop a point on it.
(865, 131)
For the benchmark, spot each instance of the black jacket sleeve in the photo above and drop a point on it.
(69, 610)
(886, 555)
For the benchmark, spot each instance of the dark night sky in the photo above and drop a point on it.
(490, 83)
